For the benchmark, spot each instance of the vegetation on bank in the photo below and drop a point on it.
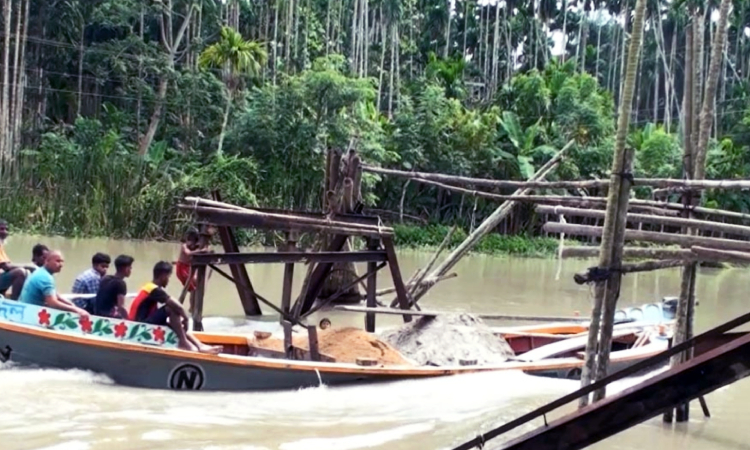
(118, 109)
(431, 236)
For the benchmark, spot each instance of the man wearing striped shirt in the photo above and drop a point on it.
(88, 281)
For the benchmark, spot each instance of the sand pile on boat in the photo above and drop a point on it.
(344, 345)
(445, 340)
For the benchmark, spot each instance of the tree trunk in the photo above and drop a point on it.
(80, 67)
(5, 111)
(602, 320)
(225, 121)
(709, 96)
(171, 44)
(447, 48)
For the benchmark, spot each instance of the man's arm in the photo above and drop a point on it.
(54, 301)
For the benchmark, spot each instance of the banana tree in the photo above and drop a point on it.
(524, 142)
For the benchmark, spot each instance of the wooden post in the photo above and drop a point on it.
(398, 281)
(372, 285)
(239, 273)
(286, 293)
(613, 238)
(312, 335)
(200, 290)
(288, 347)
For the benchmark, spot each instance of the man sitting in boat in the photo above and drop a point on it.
(110, 298)
(88, 281)
(38, 255)
(145, 308)
(12, 276)
(39, 288)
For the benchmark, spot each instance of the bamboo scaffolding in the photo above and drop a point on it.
(662, 183)
(651, 236)
(705, 225)
(485, 227)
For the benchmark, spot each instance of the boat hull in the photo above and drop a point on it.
(171, 369)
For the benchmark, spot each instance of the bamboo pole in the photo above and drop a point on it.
(723, 255)
(738, 230)
(657, 208)
(651, 236)
(278, 221)
(663, 183)
(614, 232)
(412, 285)
(485, 227)
(686, 306)
(646, 266)
(630, 253)
(212, 206)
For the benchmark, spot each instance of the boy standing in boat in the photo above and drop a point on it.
(190, 245)
(88, 281)
(110, 298)
(39, 288)
(155, 306)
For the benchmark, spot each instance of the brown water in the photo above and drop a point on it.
(75, 410)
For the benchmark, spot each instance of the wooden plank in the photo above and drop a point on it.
(398, 281)
(289, 257)
(242, 282)
(697, 377)
(372, 281)
(397, 311)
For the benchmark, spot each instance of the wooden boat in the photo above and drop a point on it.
(141, 355)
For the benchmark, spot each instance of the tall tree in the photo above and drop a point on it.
(235, 57)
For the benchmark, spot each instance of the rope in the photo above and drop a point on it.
(560, 248)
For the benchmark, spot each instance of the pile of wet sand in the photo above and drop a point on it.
(344, 345)
(445, 340)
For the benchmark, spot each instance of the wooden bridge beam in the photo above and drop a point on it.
(710, 371)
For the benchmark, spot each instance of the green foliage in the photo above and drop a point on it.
(89, 180)
(658, 153)
(494, 244)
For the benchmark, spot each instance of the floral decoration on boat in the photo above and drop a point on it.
(67, 322)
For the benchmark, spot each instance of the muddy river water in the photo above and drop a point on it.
(74, 410)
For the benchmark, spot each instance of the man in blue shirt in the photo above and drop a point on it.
(39, 288)
(88, 281)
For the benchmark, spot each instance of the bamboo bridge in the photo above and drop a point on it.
(721, 358)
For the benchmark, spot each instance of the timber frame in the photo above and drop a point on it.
(214, 215)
